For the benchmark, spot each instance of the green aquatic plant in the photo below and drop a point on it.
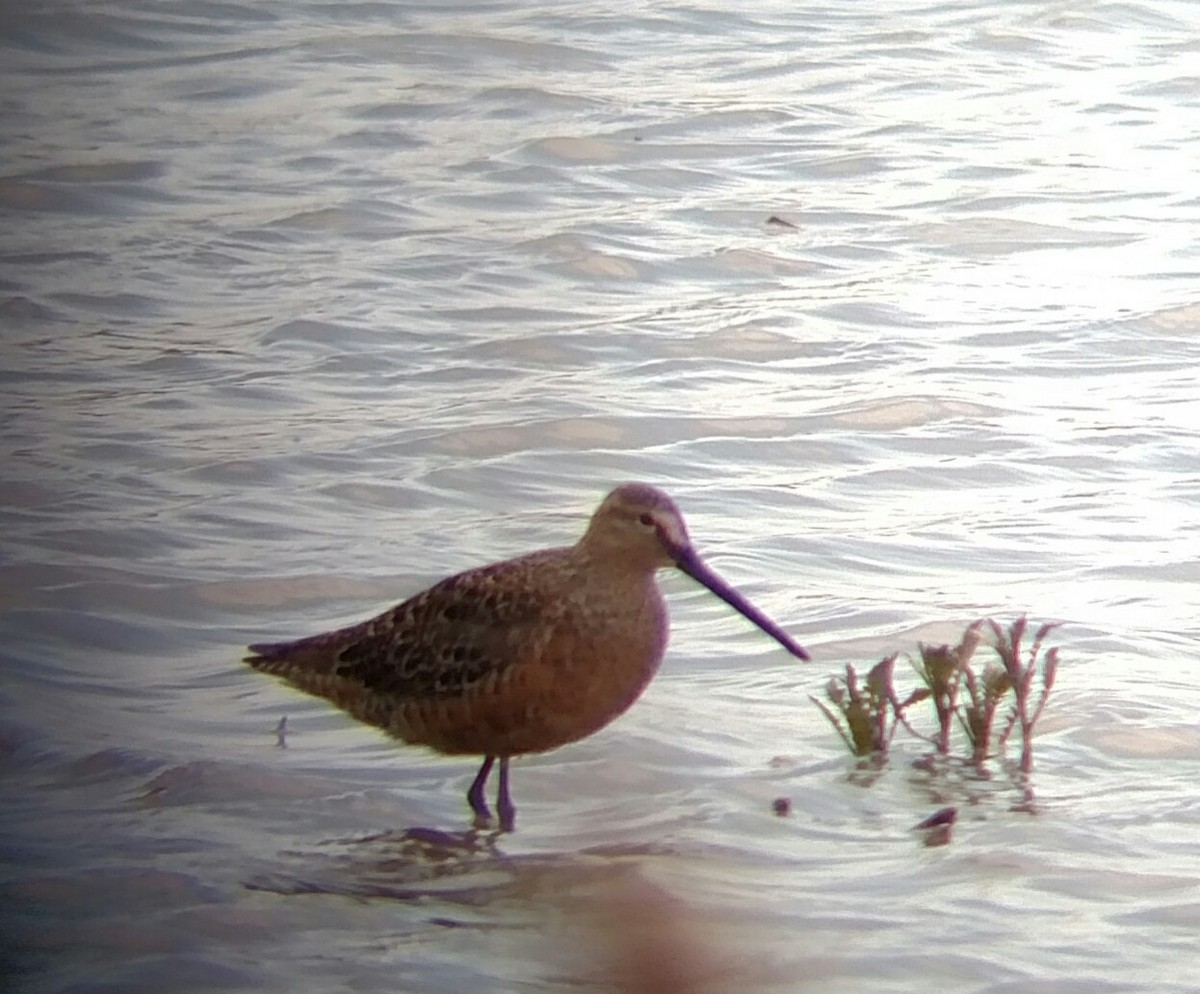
(866, 713)
(985, 693)
(1022, 675)
(941, 669)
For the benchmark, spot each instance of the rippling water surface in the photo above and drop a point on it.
(305, 305)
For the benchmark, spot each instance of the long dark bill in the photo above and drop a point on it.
(693, 566)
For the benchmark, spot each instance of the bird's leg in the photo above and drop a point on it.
(475, 798)
(508, 812)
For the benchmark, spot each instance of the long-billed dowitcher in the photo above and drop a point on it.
(520, 656)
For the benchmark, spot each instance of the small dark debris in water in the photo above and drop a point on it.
(946, 816)
(938, 827)
(782, 806)
(775, 221)
(281, 733)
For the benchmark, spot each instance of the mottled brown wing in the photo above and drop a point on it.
(468, 628)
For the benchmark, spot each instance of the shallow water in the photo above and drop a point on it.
(307, 305)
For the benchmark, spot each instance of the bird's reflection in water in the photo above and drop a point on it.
(465, 868)
(404, 865)
(620, 930)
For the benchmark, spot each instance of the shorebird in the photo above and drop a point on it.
(521, 656)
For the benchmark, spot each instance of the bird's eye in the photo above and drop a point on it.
(646, 520)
